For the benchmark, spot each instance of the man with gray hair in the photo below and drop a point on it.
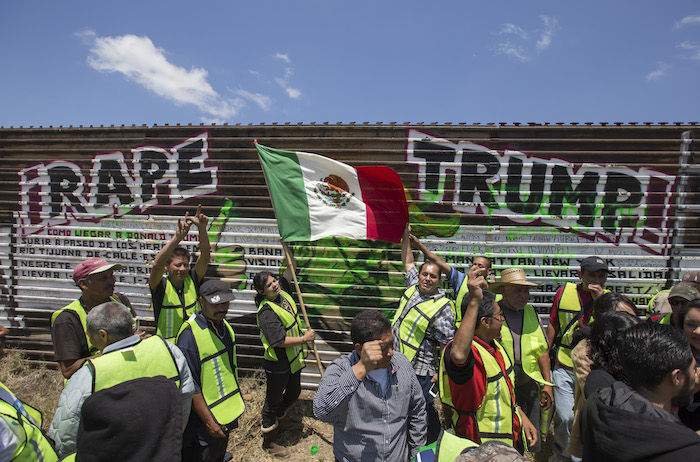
(111, 391)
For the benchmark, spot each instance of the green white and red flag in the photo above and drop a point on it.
(314, 197)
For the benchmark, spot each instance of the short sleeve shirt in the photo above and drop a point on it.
(441, 330)
(69, 338)
(273, 330)
(158, 295)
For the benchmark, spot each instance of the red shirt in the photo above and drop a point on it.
(468, 387)
(583, 296)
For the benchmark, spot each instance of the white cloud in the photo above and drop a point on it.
(263, 101)
(692, 48)
(283, 57)
(688, 21)
(86, 35)
(516, 51)
(140, 61)
(659, 73)
(550, 26)
(509, 28)
(520, 45)
(293, 93)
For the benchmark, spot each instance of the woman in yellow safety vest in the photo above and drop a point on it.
(284, 339)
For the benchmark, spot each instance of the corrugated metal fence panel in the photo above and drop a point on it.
(539, 197)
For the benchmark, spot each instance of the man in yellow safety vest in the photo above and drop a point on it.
(572, 307)
(476, 375)
(117, 379)
(176, 297)
(423, 324)
(209, 344)
(522, 336)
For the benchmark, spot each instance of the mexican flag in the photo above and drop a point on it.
(314, 197)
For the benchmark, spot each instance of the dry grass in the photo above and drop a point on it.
(298, 432)
(41, 388)
(36, 386)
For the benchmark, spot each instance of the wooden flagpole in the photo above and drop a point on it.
(294, 278)
(301, 303)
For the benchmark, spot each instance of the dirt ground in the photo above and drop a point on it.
(300, 431)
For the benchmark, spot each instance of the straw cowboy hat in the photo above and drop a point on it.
(511, 277)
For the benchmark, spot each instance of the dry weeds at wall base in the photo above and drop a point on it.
(41, 387)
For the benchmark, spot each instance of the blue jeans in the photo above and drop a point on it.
(564, 387)
(433, 418)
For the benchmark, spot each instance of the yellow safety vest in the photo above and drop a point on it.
(494, 417)
(173, 313)
(462, 292)
(414, 322)
(147, 358)
(569, 307)
(450, 446)
(77, 308)
(460, 296)
(218, 374)
(33, 446)
(533, 344)
(293, 325)
(666, 320)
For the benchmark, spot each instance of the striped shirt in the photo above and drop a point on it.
(440, 331)
(370, 425)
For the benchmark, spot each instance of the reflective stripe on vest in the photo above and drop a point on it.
(494, 416)
(449, 447)
(533, 344)
(218, 374)
(414, 322)
(571, 307)
(33, 445)
(77, 308)
(173, 313)
(147, 358)
(459, 299)
(292, 325)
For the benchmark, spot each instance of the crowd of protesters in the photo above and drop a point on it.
(470, 375)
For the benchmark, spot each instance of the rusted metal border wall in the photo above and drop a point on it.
(537, 196)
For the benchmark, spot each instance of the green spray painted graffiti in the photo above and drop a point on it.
(340, 276)
(228, 259)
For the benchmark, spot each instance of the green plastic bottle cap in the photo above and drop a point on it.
(314, 450)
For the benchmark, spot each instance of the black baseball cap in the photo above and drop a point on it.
(594, 264)
(216, 291)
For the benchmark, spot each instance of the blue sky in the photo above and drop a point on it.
(157, 62)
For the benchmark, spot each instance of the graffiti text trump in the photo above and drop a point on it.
(609, 202)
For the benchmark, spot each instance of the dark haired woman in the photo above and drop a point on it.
(284, 341)
(601, 366)
(689, 317)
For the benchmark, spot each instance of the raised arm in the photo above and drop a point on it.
(200, 221)
(462, 344)
(430, 255)
(183, 227)
(406, 252)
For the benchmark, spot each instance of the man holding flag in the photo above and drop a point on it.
(423, 325)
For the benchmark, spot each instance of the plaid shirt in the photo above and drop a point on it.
(440, 331)
(370, 424)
